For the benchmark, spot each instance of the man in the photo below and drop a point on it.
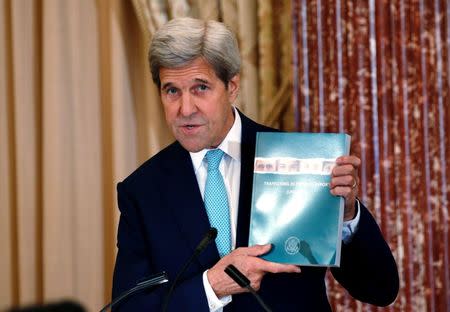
(195, 65)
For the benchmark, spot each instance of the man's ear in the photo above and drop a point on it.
(233, 87)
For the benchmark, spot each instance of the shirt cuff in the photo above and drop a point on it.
(215, 304)
(349, 227)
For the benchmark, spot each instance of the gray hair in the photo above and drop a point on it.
(182, 40)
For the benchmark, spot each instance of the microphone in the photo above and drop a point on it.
(208, 238)
(244, 282)
(156, 279)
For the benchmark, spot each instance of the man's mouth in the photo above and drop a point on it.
(189, 128)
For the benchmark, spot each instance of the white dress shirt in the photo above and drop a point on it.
(230, 168)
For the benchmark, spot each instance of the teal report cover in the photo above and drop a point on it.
(292, 207)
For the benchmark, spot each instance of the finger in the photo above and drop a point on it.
(341, 170)
(273, 267)
(352, 160)
(346, 181)
(343, 191)
(255, 250)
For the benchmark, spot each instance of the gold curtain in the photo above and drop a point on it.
(380, 70)
(78, 113)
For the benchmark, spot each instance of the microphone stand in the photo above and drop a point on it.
(243, 281)
(206, 240)
(154, 280)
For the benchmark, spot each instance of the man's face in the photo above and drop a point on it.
(197, 105)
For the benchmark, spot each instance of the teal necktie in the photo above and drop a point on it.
(216, 202)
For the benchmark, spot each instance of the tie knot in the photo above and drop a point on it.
(213, 157)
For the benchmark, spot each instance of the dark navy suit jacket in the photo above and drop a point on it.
(163, 219)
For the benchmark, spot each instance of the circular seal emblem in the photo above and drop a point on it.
(292, 245)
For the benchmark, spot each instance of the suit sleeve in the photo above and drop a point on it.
(134, 263)
(368, 270)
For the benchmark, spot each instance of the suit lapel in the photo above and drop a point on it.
(247, 152)
(187, 205)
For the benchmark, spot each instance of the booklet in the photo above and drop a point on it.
(292, 207)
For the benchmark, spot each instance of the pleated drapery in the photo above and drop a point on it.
(78, 113)
(379, 70)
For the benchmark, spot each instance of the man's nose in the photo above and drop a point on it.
(187, 106)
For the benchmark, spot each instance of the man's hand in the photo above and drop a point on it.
(344, 182)
(246, 260)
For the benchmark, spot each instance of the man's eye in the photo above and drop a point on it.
(202, 87)
(171, 91)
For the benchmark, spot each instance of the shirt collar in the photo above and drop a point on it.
(231, 145)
